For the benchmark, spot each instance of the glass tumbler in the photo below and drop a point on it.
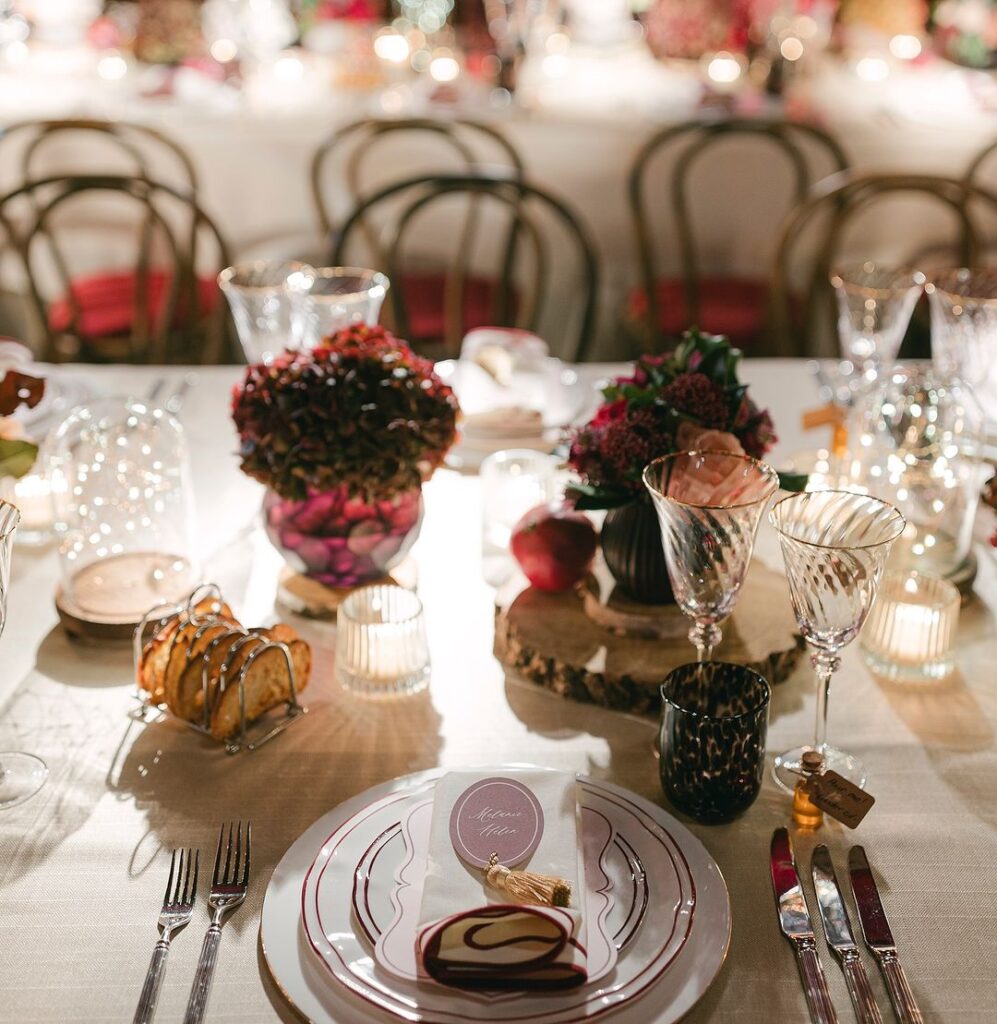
(381, 645)
(259, 297)
(124, 515)
(714, 722)
(326, 299)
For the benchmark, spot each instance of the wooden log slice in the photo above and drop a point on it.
(549, 640)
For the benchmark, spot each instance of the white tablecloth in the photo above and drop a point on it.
(83, 864)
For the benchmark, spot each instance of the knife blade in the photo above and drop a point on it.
(879, 938)
(794, 920)
(838, 932)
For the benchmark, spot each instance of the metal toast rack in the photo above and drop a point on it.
(249, 736)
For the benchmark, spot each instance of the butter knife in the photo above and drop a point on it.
(838, 933)
(794, 920)
(879, 938)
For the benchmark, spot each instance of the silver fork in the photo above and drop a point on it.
(228, 890)
(178, 905)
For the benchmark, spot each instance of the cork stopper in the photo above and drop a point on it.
(812, 762)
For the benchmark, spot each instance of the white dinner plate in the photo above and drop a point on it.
(319, 951)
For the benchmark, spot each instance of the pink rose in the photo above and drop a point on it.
(692, 437)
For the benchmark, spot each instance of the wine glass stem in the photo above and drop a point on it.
(704, 636)
(825, 665)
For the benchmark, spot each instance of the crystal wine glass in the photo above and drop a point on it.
(21, 775)
(834, 545)
(875, 304)
(709, 505)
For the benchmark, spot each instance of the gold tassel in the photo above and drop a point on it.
(528, 886)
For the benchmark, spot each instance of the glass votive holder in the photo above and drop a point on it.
(259, 295)
(381, 646)
(512, 482)
(908, 635)
(714, 722)
(326, 299)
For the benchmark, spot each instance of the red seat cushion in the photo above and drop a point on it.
(735, 308)
(424, 300)
(107, 302)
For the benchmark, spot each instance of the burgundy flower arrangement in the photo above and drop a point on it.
(689, 398)
(344, 435)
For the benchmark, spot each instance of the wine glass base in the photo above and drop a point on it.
(21, 776)
(787, 766)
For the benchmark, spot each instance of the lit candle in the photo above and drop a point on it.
(908, 635)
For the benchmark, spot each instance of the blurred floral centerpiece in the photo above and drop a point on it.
(343, 436)
(17, 452)
(690, 398)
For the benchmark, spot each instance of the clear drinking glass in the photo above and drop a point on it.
(709, 505)
(512, 482)
(21, 775)
(325, 299)
(917, 442)
(964, 331)
(259, 297)
(834, 545)
(875, 304)
(381, 646)
(124, 513)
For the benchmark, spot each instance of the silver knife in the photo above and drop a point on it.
(794, 920)
(838, 933)
(879, 938)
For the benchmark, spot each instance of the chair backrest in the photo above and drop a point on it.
(172, 317)
(515, 230)
(978, 170)
(457, 146)
(796, 143)
(85, 145)
(833, 206)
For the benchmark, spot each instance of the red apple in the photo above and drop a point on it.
(554, 546)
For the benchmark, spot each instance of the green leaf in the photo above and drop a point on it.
(590, 498)
(794, 481)
(16, 457)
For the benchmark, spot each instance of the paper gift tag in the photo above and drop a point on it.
(496, 817)
(843, 800)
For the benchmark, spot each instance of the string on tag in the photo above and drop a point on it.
(528, 886)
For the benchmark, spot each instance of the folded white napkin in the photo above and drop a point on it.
(471, 935)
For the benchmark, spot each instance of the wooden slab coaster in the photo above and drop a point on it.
(549, 640)
(303, 596)
(80, 625)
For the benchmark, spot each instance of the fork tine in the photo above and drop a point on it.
(169, 881)
(238, 857)
(186, 877)
(180, 870)
(228, 855)
(245, 870)
(191, 893)
(215, 879)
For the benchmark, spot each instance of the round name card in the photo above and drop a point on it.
(496, 817)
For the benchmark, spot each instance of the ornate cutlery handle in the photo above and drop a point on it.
(901, 995)
(814, 983)
(153, 983)
(866, 1007)
(198, 1002)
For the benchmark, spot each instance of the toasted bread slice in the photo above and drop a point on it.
(185, 685)
(266, 682)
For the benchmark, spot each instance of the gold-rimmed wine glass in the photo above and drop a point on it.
(709, 505)
(21, 775)
(834, 545)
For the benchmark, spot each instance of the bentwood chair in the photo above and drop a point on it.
(983, 167)
(502, 240)
(159, 303)
(815, 235)
(664, 306)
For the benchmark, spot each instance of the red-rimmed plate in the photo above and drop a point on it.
(317, 932)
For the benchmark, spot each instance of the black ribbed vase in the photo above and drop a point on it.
(631, 545)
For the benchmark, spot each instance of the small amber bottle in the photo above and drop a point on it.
(807, 814)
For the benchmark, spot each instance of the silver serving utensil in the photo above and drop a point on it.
(228, 890)
(879, 938)
(178, 905)
(838, 933)
(794, 920)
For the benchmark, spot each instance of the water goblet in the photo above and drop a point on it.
(875, 304)
(327, 299)
(21, 775)
(709, 505)
(834, 546)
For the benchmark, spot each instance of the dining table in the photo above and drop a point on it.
(83, 863)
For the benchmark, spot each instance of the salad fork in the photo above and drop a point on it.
(228, 890)
(178, 905)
